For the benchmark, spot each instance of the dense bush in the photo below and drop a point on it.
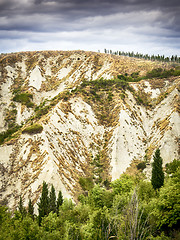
(105, 84)
(155, 73)
(134, 77)
(86, 183)
(172, 166)
(7, 134)
(24, 98)
(40, 111)
(33, 129)
(163, 73)
(141, 166)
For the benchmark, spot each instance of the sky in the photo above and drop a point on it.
(151, 26)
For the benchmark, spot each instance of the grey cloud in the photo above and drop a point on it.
(154, 21)
(89, 7)
(74, 9)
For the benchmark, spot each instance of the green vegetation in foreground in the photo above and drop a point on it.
(33, 129)
(129, 209)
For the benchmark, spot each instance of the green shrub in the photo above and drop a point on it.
(145, 191)
(10, 117)
(123, 185)
(24, 98)
(142, 98)
(30, 104)
(122, 77)
(41, 111)
(122, 95)
(17, 90)
(86, 183)
(65, 95)
(134, 77)
(7, 134)
(157, 72)
(139, 100)
(162, 73)
(141, 166)
(110, 96)
(172, 166)
(33, 129)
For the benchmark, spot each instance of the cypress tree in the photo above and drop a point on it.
(31, 209)
(59, 201)
(22, 210)
(43, 205)
(52, 200)
(20, 205)
(157, 179)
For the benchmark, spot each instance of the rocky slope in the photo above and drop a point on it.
(90, 129)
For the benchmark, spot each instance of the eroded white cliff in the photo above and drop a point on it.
(73, 134)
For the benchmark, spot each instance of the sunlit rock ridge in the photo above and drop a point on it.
(115, 125)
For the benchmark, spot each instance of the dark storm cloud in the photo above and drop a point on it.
(53, 20)
(83, 7)
(72, 10)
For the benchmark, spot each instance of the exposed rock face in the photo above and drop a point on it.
(141, 131)
(77, 128)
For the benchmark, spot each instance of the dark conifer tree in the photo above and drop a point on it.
(22, 210)
(52, 200)
(20, 205)
(157, 179)
(31, 209)
(59, 201)
(43, 205)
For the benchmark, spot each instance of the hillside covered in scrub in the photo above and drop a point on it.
(70, 116)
